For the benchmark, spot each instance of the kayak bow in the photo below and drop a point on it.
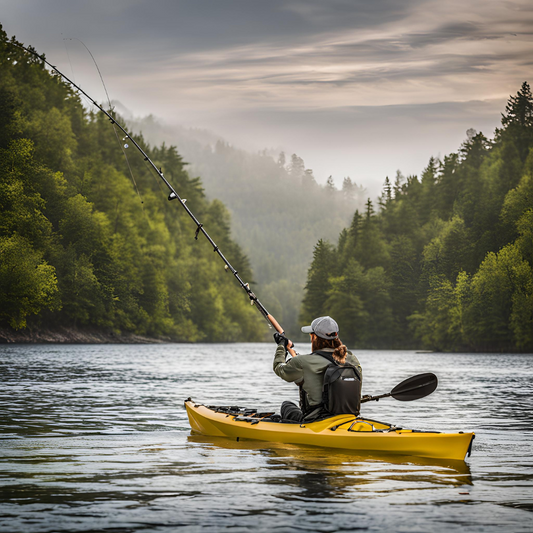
(341, 432)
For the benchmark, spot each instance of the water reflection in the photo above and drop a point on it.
(96, 438)
(343, 470)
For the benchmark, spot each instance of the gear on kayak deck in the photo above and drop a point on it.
(361, 435)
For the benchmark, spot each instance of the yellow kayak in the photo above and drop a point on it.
(346, 432)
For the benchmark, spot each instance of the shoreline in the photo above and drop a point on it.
(88, 335)
(74, 335)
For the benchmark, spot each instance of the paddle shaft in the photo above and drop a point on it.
(376, 398)
(409, 385)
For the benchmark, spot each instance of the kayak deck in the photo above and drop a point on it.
(341, 431)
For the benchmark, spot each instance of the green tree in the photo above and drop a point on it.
(28, 284)
(519, 108)
(450, 255)
(501, 310)
(441, 326)
(449, 252)
(386, 196)
(345, 303)
(318, 281)
(371, 249)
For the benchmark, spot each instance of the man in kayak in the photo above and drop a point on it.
(307, 371)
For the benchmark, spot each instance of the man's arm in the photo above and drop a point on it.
(289, 371)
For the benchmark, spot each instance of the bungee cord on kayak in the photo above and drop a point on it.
(173, 194)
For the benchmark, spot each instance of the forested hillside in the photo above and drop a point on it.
(445, 260)
(278, 209)
(79, 247)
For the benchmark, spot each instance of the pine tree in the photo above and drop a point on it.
(318, 281)
(386, 195)
(297, 167)
(518, 121)
(427, 196)
(355, 226)
(347, 188)
(429, 175)
(330, 185)
(448, 185)
(399, 185)
(342, 242)
(475, 148)
(519, 108)
(369, 209)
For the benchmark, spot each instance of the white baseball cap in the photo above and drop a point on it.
(324, 327)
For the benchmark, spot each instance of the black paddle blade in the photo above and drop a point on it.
(415, 388)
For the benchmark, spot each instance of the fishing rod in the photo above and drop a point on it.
(173, 195)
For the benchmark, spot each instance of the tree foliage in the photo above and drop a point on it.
(446, 263)
(79, 246)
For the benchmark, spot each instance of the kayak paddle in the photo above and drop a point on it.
(413, 388)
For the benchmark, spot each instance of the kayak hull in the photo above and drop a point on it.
(345, 432)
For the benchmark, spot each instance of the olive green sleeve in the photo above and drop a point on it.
(350, 358)
(289, 371)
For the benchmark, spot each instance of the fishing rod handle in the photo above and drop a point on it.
(279, 329)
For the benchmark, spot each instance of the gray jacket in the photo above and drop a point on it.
(310, 368)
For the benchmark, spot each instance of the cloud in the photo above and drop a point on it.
(259, 70)
(189, 25)
(403, 57)
(352, 49)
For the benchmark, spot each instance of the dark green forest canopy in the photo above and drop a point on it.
(77, 245)
(446, 261)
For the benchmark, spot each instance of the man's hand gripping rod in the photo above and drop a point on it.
(270, 319)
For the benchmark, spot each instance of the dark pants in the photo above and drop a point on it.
(289, 411)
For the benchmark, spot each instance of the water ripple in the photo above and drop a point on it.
(95, 437)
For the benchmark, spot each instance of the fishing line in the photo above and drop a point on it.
(172, 197)
(166, 207)
(151, 174)
(70, 62)
(111, 110)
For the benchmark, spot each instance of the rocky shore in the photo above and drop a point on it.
(73, 335)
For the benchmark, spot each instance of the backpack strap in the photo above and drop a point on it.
(327, 355)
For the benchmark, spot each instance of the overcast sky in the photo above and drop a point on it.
(357, 88)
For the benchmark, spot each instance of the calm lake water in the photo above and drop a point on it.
(96, 438)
